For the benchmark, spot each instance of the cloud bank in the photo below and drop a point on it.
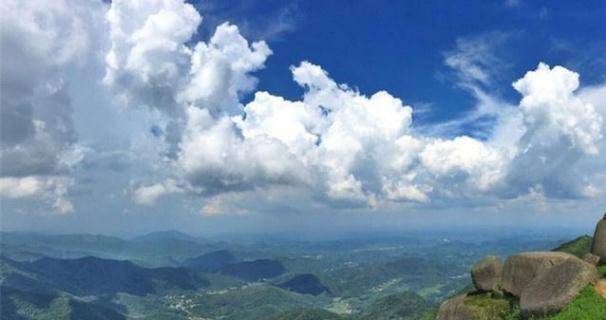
(343, 147)
(338, 147)
(38, 142)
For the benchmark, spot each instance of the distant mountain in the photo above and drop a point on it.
(304, 283)
(210, 262)
(164, 248)
(254, 270)
(167, 234)
(94, 276)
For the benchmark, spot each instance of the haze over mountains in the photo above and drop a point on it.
(292, 159)
(174, 275)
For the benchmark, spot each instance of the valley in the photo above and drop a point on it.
(171, 275)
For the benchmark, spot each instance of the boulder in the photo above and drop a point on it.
(592, 259)
(554, 289)
(487, 274)
(520, 269)
(473, 306)
(598, 246)
(455, 309)
(600, 287)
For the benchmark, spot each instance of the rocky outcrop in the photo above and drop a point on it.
(487, 274)
(544, 283)
(598, 246)
(592, 259)
(521, 269)
(551, 290)
(455, 309)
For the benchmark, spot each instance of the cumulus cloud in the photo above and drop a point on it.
(560, 128)
(151, 64)
(342, 147)
(147, 195)
(38, 140)
(336, 145)
(148, 59)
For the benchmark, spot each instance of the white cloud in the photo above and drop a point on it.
(20, 187)
(148, 61)
(147, 194)
(481, 163)
(53, 188)
(560, 129)
(343, 147)
(38, 141)
(360, 149)
(220, 70)
(337, 146)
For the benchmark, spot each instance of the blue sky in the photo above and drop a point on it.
(131, 117)
(400, 46)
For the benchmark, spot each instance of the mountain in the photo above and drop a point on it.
(254, 270)
(308, 314)
(95, 276)
(17, 304)
(163, 248)
(166, 234)
(210, 262)
(305, 284)
(401, 306)
(578, 247)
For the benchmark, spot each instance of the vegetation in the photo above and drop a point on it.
(578, 247)
(210, 262)
(588, 305)
(308, 314)
(254, 270)
(486, 307)
(169, 275)
(402, 306)
(305, 284)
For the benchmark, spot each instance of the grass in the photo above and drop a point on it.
(486, 307)
(588, 305)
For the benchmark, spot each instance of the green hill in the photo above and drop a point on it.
(305, 284)
(21, 305)
(210, 262)
(308, 314)
(254, 270)
(401, 306)
(578, 247)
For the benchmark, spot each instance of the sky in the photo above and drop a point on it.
(211, 117)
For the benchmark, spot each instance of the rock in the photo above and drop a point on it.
(598, 246)
(473, 306)
(520, 269)
(455, 309)
(592, 259)
(554, 289)
(600, 287)
(487, 274)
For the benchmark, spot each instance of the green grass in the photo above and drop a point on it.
(578, 247)
(588, 305)
(602, 271)
(486, 307)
